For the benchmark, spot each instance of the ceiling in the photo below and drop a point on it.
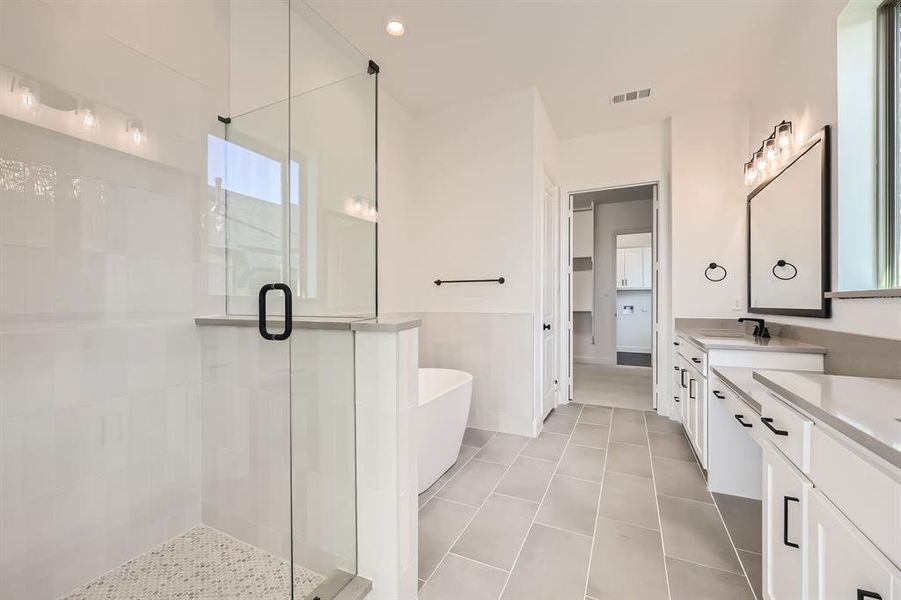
(577, 53)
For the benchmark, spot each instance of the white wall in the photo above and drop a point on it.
(615, 158)
(709, 210)
(609, 219)
(633, 331)
(458, 201)
(802, 88)
(114, 255)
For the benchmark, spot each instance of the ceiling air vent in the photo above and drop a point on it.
(631, 96)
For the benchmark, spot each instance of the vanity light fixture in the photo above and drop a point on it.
(135, 132)
(750, 173)
(773, 152)
(86, 117)
(395, 27)
(783, 133)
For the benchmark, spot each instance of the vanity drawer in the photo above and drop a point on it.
(693, 355)
(869, 498)
(786, 429)
(737, 409)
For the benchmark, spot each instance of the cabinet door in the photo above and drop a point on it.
(633, 270)
(647, 268)
(785, 550)
(683, 390)
(843, 564)
(677, 387)
(700, 428)
(621, 267)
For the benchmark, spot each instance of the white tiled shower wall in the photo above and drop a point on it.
(106, 254)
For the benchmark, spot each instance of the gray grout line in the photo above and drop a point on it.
(449, 479)
(478, 562)
(734, 547)
(535, 517)
(669, 590)
(597, 511)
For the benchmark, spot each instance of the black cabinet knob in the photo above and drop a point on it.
(547, 326)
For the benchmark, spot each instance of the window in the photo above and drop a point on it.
(869, 145)
(889, 174)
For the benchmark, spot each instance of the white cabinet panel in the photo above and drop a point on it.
(632, 268)
(620, 267)
(583, 291)
(583, 233)
(785, 547)
(843, 564)
(647, 267)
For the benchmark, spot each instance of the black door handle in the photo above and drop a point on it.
(719, 394)
(743, 424)
(786, 500)
(691, 392)
(682, 378)
(861, 594)
(767, 421)
(546, 326)
(289, 322)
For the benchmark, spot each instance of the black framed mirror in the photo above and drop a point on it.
(789, 235)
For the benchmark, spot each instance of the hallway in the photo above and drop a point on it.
(612, 385)
(605, 503)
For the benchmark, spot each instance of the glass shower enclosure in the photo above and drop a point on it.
(187, 229)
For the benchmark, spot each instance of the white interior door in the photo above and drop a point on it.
(550, 295)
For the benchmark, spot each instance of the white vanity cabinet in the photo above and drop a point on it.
(785, 505)
(695, 356)
(830, 479)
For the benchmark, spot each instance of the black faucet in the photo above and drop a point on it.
(760, 329)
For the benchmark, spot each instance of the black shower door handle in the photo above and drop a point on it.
(289, 322)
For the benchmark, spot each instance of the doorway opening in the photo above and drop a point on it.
(613, 285)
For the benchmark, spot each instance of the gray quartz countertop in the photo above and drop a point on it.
(731, 339)
(864, 409)
(391, 322)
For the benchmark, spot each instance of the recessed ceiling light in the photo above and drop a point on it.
(395, 27)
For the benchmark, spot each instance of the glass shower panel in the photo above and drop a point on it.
(333, 199)
(249, 171)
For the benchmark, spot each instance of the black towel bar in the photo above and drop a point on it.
(498, 280)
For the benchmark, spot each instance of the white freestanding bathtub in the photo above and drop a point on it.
(444, 396)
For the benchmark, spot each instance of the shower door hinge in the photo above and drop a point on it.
(373, 67)
(225, 120)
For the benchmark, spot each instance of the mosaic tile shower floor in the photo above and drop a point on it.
(201, 564)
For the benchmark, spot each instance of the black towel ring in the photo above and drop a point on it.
(713, 266)
(785, 263)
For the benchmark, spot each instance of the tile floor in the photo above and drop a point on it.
(605, 503)
(612, 385)
(205, 564)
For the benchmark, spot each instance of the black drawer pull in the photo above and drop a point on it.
(676, 368)
(786, 500)
(719, 394)
(767, 421)
(743, 424)
(861, 594)
(675, 343)
(682, 378)
(697, 361)
(676, 398)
